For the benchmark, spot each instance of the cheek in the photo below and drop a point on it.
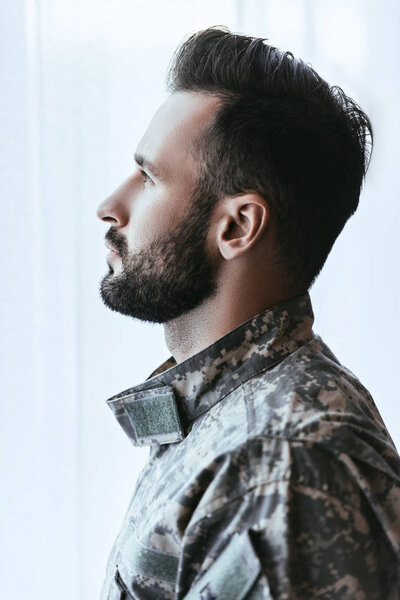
(155, 215)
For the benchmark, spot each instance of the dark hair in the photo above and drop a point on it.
(282, 132)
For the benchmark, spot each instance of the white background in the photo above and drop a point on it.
(80, 80)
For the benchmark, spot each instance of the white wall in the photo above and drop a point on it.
(80, 81)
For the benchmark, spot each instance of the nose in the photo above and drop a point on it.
(114, 209)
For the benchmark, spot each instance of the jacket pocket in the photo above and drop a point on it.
(138, 559)
(232, 575)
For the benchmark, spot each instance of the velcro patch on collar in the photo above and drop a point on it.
(154, 416)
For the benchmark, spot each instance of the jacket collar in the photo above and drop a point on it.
(160, 409)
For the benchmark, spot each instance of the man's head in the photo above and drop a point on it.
(257, 154)
(160, 221)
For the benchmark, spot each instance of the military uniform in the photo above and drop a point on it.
(271, 474)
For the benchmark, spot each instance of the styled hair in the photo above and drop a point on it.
(280, 131)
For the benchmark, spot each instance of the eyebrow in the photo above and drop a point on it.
(142, 161)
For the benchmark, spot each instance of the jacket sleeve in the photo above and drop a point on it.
(300, 538)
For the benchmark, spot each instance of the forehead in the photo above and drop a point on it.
(175, 125)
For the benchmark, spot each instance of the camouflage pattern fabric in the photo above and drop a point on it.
(271, 474)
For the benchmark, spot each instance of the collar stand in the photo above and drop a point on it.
(159, 409)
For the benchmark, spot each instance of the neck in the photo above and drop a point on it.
(192, 332)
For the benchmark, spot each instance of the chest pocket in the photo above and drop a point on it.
(139, 566)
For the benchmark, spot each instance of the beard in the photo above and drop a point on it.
(171, 276)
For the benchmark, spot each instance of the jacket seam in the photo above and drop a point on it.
(261, 483)
(248, 491)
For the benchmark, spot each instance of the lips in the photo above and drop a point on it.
(108, 245)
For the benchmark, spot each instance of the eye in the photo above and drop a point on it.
(146, 178)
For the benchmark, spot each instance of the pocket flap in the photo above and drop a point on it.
(232, 574)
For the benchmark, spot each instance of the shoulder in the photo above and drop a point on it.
(311, 396)
(308, 421)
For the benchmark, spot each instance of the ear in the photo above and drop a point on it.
(242, 222)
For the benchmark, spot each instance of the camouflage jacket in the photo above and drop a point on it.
(271, 474)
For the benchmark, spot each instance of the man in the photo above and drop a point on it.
(271, 473)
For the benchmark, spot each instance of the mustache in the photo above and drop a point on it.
(117, 240)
